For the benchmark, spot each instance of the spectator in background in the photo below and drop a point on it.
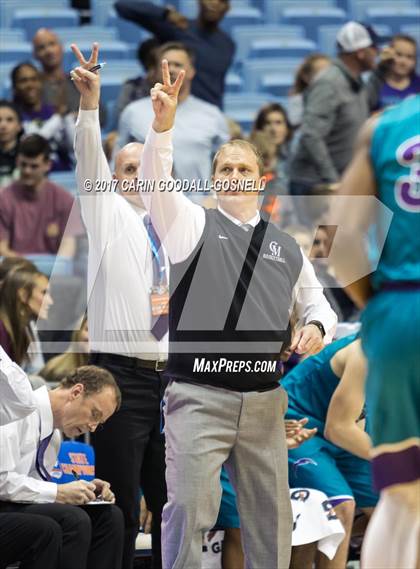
(34, 212)
(57, 87)
(214, 49)
(60, 366)
(396, 78)
(10, 131)
(42, 118)
(271, 134)
(140, 86)
(308, 71)
(24, 298)
(337, 104)
(199, 128)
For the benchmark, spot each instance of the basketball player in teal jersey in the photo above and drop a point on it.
(387, 165)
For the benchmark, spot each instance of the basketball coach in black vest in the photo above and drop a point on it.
(234, 281)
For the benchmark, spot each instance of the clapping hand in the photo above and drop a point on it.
(296, 434)
(165, 99)
(85, 81)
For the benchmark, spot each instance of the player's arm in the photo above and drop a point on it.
(178, 221)
(92, 170)
(341, 427)
(352, 218)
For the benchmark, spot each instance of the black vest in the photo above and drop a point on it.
(229, 306)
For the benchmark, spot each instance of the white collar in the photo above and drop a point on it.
(253, 221)
(43, 406)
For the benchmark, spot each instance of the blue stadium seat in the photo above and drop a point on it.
(233, 83)
(395, 17)
(243, 107)
(127, 31)
(113, 76)
(65, 179)
(31, 19)
(9, 7)
(110, 50)
(358, 8)
(273, 9)
(245, 16)
(245, 35)
(87, 34)
(327, 37)
(312, 18)
(412, 30)
(292, 47)
(12, 35)
(255, 69)
(12, 52)
(277, 83)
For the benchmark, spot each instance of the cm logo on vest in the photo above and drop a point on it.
(274, 254)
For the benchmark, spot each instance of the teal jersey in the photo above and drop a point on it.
(395, 155)
(311, 384)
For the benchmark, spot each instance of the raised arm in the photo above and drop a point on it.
(92, 171)
(346, 405)
(163, 22)
(178, 221)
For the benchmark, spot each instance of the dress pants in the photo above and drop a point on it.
(33, 540)
(206, 427)
(92, 536)
(130, 449)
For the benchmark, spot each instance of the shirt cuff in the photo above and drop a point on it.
(160, 139)
(88, 117)
(48, 494)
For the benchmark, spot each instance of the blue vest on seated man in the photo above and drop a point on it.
(74, 457)
(229, 307)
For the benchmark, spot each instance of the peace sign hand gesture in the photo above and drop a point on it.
(87, 82)
(165, 99)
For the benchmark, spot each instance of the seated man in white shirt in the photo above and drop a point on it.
(31, 539)
(91, 536)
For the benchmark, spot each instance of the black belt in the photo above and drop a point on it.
(127, 361)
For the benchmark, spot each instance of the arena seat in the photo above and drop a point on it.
(31, 19)
(87, 34)
(245, 16)
(357, 8)
(233, 82)
(12, 35)
(243, 107)
(245, 35)
(274, 9)
(255, 69)
(15, 52)
(127, 31)
(278, 84)
(9, 7)
(289, 47)
(314, 17)
(395, 17)
(412, 30)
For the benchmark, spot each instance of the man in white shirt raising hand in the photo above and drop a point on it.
(234, 282)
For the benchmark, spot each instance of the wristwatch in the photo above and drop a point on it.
(319, 325)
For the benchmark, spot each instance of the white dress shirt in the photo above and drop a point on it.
(16, 395)
(19, 441)
(180, 225)
(120, 269)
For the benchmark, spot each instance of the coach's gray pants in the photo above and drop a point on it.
(205, 427)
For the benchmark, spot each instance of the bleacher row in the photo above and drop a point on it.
(272, 38)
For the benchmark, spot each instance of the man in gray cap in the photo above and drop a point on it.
(337, 104)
